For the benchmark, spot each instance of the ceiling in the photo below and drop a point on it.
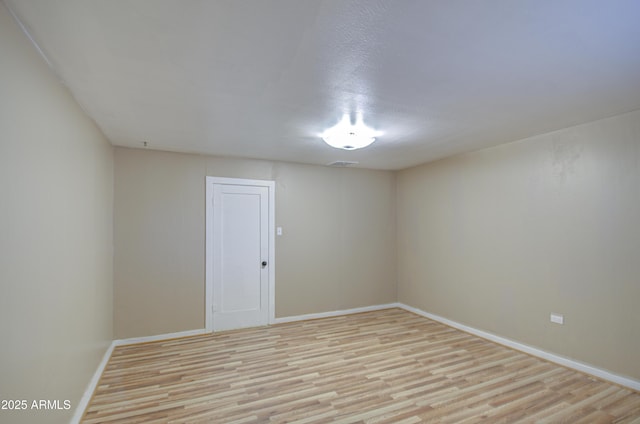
(264, 78)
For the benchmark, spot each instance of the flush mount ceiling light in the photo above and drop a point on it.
(348, 136)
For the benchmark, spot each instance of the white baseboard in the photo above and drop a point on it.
(91, 387)
(551, 357)
(335, 313)
(160, 337)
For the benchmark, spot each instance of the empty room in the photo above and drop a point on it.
(314, 211)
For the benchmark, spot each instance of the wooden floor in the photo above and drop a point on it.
(387, 366)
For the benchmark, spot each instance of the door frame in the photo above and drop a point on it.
(210, 237)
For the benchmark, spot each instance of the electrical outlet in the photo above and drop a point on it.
(557, 318)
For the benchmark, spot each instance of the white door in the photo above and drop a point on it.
(240, 256)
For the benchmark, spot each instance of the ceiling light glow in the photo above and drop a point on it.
(348, 136)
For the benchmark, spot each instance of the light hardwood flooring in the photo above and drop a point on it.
(387, 366)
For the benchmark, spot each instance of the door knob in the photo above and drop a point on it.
(264, 263)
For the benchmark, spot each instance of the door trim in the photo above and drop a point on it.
(209, 237)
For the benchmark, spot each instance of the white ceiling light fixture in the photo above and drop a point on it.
(348, 136)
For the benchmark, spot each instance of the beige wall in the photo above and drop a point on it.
(500, 238)
(56, 205)
(337, 251)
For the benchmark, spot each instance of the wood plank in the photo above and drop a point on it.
(375, 367)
